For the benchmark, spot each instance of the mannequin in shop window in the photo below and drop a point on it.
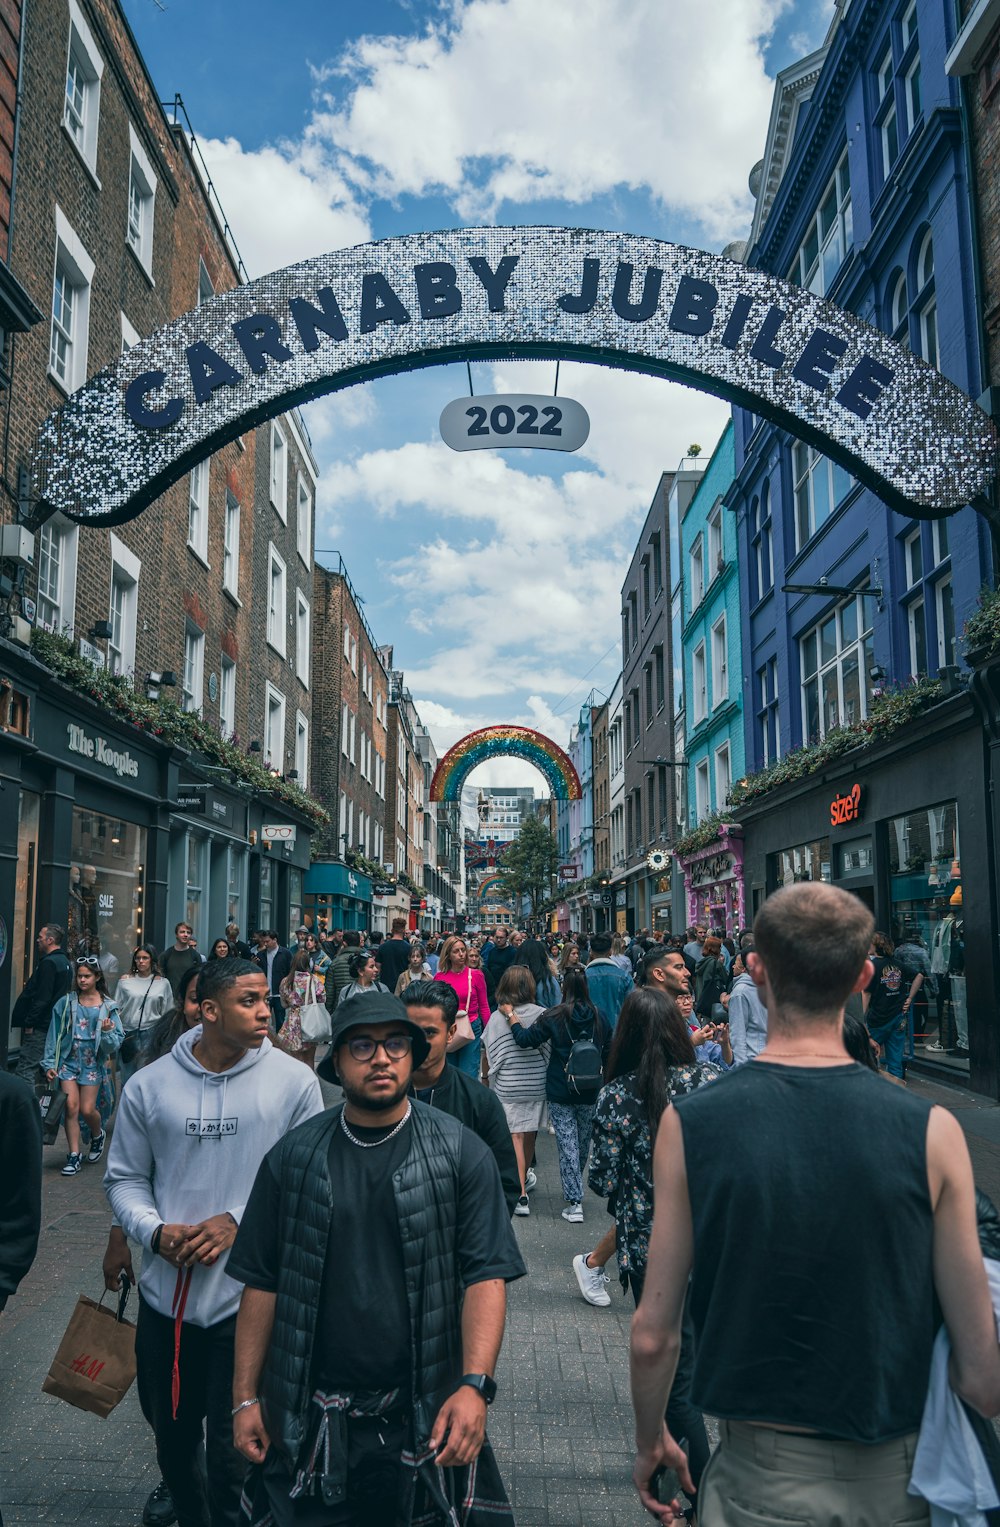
(948, 966)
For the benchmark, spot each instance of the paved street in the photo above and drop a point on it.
(561, 1423)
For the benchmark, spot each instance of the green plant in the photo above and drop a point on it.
(889, 710)
(981, 632)
(704, 835)
(528, 865)
(166, 720)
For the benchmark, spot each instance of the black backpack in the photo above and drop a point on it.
(584, 1071)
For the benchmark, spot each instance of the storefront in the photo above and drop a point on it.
(905, 826)
(337, 897)
(713, 884)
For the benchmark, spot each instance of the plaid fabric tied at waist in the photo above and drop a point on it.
(472, 1496)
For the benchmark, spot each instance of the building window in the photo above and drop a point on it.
(820, 485)
(192, 694)
(939, 537)
(898, 95)
(130, 334)
(656, 558)
(702, 790)
(916, 618)
(231, 546)
(831, 235)
(303, 519)
(302, 637)
(699, 698)
(625, 641)
(836, 658)
(344, 713)
(648, 678)
(899, 312)
(276, 610)
(227, 696)
(125, 568)
(56, 593)
(768, 719)
(198, 510)
(302, 748)
(205, 286)
(661, 697)
(926, 302)
(69, 334)
(913, 559)
(723, 775)
(84, 68)
(633, 604)
(697, 562)
(716, 561)
(274, 729)
(647, 602)
(141, 203)
(760, 530)
(944, 607)
(279, 471)
(720, 662)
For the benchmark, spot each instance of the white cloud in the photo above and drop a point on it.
(284, 202)
(621, 94)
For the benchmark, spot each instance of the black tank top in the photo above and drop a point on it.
(812, 1293)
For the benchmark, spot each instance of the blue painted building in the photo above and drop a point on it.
(863, 196)
(713, 689)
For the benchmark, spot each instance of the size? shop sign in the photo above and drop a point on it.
(846, 808)
(515, 420)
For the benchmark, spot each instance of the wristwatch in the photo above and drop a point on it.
(482, 1384)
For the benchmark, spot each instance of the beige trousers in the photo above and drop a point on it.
(759, 1477)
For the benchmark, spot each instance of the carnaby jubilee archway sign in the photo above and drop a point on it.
(432, 298)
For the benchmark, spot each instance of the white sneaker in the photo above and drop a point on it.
(591, 1281)
(522, 1206)
(573, 1213)
(530, 1180)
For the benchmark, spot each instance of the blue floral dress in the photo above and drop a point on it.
(621, 1161)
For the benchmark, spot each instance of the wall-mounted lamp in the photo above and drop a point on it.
(101, 631)
(254, 747)
(157, 681)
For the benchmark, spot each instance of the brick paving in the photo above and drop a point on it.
(561, 1424)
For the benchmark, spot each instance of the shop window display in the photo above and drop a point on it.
(928, 926)
(104, 914)
(807, 861)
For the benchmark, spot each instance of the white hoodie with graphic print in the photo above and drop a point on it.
(187, 1145)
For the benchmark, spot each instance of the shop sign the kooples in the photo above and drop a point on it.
(101, 751)
(846, 808)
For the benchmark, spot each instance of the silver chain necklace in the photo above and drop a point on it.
(369, 1145)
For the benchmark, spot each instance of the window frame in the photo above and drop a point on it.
(278, 482)
(231, 545)
(77, 268)
(722, 795)
(699, 684)
(227, 694)
(696, 570)
(274, 701)
(125, 572)
(303, 620)
(720, 671)
(860, 645)
(716, 550)
(301, 751)
(82, 44)
(193, 693)
(277, 621)
(812, 271)
(67, 536)
(945, 659)
(141, 175)
(303, 522)
(199, 482)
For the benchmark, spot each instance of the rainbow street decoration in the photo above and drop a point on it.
(490, 889)
(505, 742)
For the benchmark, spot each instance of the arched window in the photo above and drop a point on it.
(899, 315)
(763, 557)
(926, 302)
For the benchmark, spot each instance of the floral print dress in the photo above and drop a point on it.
(621, 1161)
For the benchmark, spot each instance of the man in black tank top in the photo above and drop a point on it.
(818, 1213)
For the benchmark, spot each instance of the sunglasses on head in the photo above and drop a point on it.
(90, 960)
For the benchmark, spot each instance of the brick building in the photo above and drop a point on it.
(349, 747)
(119, 832)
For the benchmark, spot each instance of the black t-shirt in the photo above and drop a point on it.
(885, 991)
(393, 955)
(363, 1336)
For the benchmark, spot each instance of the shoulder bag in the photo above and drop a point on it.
(314, 1018)
(464, 1033)
(132, 1043)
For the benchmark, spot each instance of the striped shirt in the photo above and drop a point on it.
(516, 1076)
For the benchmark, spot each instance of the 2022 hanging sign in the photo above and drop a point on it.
(429, 299)
(514, 420)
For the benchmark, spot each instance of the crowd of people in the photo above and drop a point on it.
(322, 1288)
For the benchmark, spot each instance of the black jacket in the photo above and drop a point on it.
(279, 970)
(562, 1027)
(498, 960)
(393, 955)
(20, 1190)
(480, 1110)
(51, 979)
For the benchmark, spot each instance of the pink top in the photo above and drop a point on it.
(478, 1002)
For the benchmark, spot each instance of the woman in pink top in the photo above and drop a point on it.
(469, 987)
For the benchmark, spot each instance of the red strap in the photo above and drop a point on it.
(181, 1291)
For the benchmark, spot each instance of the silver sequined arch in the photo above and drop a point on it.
(925, 447)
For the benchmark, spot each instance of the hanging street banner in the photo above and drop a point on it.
(514, 420)
(430, 299)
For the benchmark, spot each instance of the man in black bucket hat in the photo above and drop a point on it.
(375, 1250)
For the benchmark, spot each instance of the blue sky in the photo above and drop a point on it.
(329, 122)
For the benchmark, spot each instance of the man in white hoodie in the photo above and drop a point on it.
(192, 1130)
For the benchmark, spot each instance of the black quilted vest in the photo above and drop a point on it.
(426, 1192)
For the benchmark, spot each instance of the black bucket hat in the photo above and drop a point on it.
(363, 1009)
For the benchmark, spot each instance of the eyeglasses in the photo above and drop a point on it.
(90, 961)
(362, 1047)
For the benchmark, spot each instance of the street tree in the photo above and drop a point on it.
(528, 866)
